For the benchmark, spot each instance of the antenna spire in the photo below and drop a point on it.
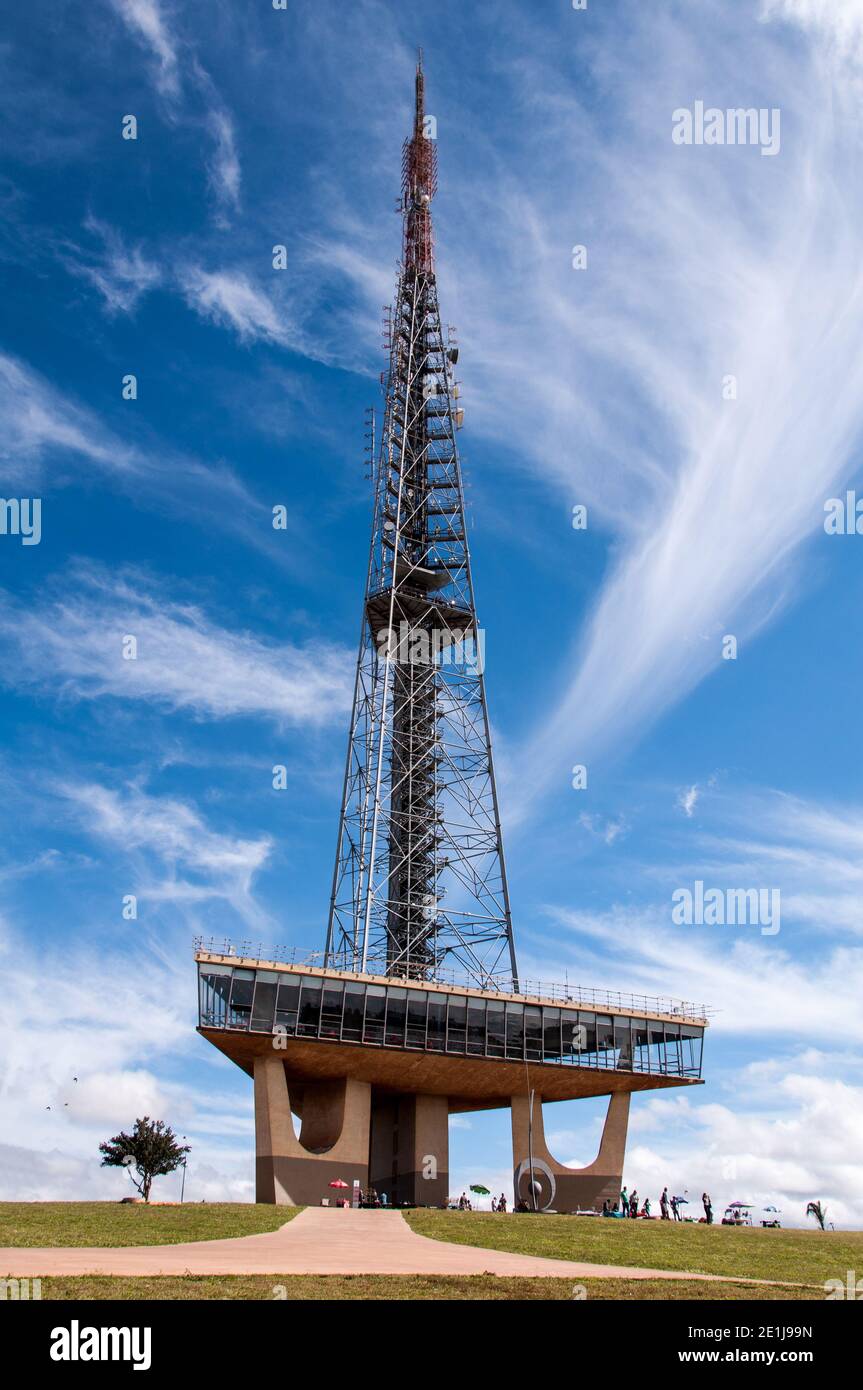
(419, 184)
(419, 884)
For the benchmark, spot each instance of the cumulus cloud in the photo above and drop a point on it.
(91, 1038)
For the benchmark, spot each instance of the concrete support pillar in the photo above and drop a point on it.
(333, 1142)
(410, 1149)
(568, 1189)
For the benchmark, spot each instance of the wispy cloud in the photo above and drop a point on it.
(145, 19)
(703, 265)
(74, 645)
(42, 429)
(122, 274)
(183, 82)
(687, 800)
(230, 299)
(37, 419)
(224, 168)
(172, 829)
(606, 830)
(838, 24)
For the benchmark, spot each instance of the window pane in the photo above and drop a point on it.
(587, 1026)
(242, 989)
(476, 1026)
(310, 1006)
(396, 1011)
(515, 1030)
(533, 1032)
(640, 1045)
(437, 1022)
(331, 1008)
(690, 1043)
(551, 1034)
(622, 1045)
(287, 1002)
(264, 1008)
(672, 1048)
(376, 1002)
(456, 1023)
(495, 1028)
(416, 1030)
(657, 1046)
(215, 988)
(604, 1041)
(352, 1022)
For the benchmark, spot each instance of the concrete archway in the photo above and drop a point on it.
(568, 1189)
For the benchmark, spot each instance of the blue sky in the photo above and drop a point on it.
(601, 387)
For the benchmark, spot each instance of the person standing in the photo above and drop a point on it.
(501, 1204)
(624, 1202)
(708, 1207)
(633, 1203)
(675, 1208)
(663, 1204)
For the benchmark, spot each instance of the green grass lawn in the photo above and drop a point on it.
(110, 1223)
(339, 1287)
(806, 1257)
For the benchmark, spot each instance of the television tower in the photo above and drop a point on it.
(419, 887)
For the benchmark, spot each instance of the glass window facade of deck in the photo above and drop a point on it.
(309, 1006)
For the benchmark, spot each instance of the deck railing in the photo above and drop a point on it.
(553, 992)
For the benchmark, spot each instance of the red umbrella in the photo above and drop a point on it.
(337, 1182)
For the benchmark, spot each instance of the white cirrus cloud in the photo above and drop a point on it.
(74, 645)
(230, 299)
(121, 273)
(146, 20)
(687, 800)
(224, 168)
(188, 94)
(170, 828)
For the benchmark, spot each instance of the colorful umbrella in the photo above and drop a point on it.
(337, 1182)
(478, 1187)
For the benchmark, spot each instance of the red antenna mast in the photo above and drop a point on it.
(419, 185)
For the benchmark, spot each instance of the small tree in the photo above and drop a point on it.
(820, 1213)
(151, 1149)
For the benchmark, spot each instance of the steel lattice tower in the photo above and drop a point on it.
(419, 886)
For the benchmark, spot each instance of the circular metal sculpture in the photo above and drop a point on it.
(540, 1178)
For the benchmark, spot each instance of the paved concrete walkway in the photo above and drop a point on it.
(321, 1240)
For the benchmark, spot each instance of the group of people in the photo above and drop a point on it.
(372, 1198)
(627, 1206)
(669, 1207)
(497, 1203)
